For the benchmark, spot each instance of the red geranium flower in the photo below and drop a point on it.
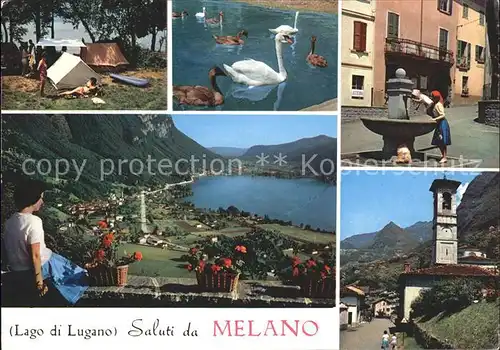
(138, 256)
(202, 264)
(189, 267)
(193, 251)
(238, 248)
(216, 268)
(227, 262)
(310, 263)
(295, 261)
(100, 254)
(295, 271)
(323, 274)
(327, 269)
(243, 249)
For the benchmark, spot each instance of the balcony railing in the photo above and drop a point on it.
(417, 49)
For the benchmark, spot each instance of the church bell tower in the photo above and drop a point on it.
(444, 239)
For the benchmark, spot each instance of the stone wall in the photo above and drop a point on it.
(489, 112)
(427, 340)
(352, 114)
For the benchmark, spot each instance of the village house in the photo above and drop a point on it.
(446, 263)
(383, 307)
(471, 51)
(353, 298)
(422, 39)
(358, 27)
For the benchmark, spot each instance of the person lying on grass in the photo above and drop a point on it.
(85, 90)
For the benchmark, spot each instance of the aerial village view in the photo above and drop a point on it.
(84, 55)
(246, 224)
(400, 63)
(425, 277)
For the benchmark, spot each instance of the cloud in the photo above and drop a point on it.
(460, 191)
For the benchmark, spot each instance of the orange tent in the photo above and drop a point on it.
(104, 57)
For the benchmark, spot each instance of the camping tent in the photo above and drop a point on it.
(104, 56)
(69, 71)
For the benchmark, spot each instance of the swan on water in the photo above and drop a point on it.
(201, 14)
(256, 73)
(286, 29)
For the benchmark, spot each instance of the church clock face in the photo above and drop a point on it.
(446, 233)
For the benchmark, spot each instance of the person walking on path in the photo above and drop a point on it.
(385, 341)
(394, 342)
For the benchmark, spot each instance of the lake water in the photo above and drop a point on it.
(306, 201)
(195, 52)
(66, 31)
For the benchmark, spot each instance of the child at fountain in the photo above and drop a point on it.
(442, 134)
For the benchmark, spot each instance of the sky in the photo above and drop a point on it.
(370, 200)
(244, 131)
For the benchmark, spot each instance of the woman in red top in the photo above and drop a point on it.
(42, 69)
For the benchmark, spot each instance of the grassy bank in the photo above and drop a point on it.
(475, 327)
(328, 6)
(19, 93)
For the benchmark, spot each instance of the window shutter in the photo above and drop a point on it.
(477, 53)
(357, 36)
(481, 53)
(363, 36)
(390, 25)
(468, 52)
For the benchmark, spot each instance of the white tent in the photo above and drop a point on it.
(70, 71)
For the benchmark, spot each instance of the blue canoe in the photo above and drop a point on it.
(130, 80)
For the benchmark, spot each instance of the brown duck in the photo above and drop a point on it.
(314, 59)
(215, 20)
(201, 95)
(231, 40)
(180, 14)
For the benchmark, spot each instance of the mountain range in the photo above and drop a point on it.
(228, 151)
(391, 236)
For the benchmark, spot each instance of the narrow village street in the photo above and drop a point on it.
(367, 336)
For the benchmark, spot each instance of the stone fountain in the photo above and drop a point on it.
(398, 130)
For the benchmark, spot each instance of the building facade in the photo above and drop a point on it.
(420, 38)
(358, 25)
(470, 51)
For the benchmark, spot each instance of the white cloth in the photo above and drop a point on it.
(394, 340)
(21, 231)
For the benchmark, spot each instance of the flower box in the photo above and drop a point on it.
(103, 276)
(217, 282)
(317, 287)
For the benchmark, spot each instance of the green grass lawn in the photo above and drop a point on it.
(156, 262)
(475, 327)
(301, 235)
(20, 93)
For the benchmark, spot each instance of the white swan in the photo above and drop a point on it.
(286, 29)
(201, 14)
(255, 73)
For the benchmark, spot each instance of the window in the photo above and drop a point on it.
(359, 44)
(392, 25)
(481, 18)
(357, 86)
(445, 6)
(446, 201)
(465, 11)
(463, 54)
(443, 39)
(479, 54)
(465, 86)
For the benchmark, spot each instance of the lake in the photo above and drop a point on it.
(66, 31)
(306, 201)
(195, 52)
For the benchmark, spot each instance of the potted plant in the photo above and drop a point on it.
(218, 274)
(106, 269)
(315, 278)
